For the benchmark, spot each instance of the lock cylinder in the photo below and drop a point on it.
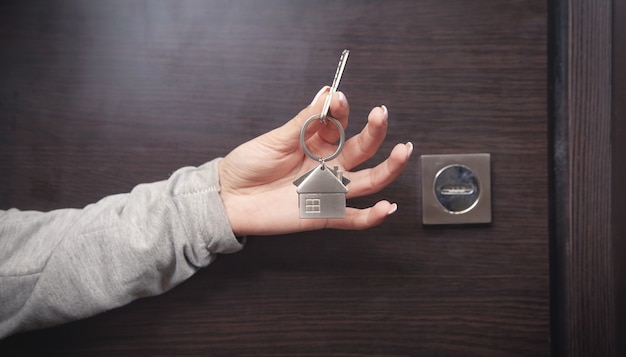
(456, 189)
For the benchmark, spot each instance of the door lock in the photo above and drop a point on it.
(456, 189)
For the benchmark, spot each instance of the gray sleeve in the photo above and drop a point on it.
(69, 264)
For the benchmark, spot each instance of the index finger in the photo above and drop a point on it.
(339, 109)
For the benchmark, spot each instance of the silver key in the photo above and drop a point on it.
(333, 88)
(322, 191)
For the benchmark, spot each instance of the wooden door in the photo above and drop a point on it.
(97, 97)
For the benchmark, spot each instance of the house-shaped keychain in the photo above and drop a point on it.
(322, 193)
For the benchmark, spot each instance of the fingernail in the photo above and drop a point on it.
(409, 146)
(386, 113)
(385, 110)
(317, 96)
(342, 97)
(393, 209)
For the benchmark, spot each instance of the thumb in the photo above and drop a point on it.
(312, 109)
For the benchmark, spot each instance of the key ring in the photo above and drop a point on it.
(342, 138)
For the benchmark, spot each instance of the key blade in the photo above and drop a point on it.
(340, 67)
(333, 88)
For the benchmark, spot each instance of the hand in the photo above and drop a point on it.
(257, 177)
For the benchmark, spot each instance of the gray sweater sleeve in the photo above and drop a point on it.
(69, 264)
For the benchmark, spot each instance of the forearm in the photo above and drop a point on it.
(73, 263)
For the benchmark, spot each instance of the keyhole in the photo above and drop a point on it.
(456, 189)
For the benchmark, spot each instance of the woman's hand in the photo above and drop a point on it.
(257, 177)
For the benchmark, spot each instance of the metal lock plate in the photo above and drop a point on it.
(456, 189)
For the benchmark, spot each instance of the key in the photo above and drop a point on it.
(333, 88)
(322, 191)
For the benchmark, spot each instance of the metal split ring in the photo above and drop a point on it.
(342, 138)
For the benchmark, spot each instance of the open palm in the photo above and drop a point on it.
(257, 177)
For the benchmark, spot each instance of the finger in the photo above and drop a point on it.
(372, 180)
(364, 218)
(338, 106)
(339, 109)
(321, 138)
(365, 144)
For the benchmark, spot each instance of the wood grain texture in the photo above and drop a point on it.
(618, 170)
(99, 96)
(584, 305)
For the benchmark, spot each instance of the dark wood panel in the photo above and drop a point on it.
(583, 302)
(97, 97)
(618, 170)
